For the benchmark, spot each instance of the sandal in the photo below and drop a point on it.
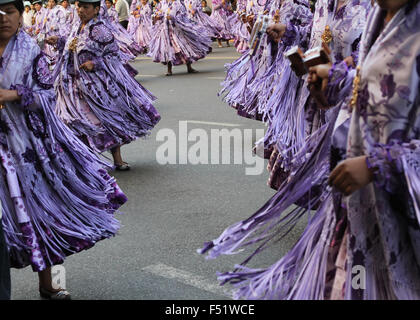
(122, 167)
(57, 295)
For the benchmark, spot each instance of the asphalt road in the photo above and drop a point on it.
(172, 209)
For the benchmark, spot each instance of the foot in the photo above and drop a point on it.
(168, 74)
(60, 294)
(191, 70)
(122, 167)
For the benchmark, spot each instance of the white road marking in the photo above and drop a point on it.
(188, 278)
(147, 75)
(214, 123)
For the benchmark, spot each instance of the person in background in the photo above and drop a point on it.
(112, 13)
(38, 22)
(140, 23)
(221, 11)
(54, 25)
(56, 195)
(28, 16)
(70, 12)
(177, 40)
(122, 8)
(206, 9)
(97, 97)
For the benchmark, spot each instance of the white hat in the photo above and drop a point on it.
(26, 3)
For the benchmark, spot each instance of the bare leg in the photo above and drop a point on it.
(118, 161)
(116, 154)
(219, 41)
(45, 280)
(169, 73)
(46, 289)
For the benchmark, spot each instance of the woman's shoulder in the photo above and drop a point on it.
(27, 44)
(99, 31)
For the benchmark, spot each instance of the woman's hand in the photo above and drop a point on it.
(156, 19)
(52, 40)
(8, 96)
(320, 73)
(87, 66)
(276, 31)
(317, 83)
(351, 175)
(349, 61)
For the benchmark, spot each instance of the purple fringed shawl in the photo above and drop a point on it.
(57, 198)
(177, 40)
(383, 218)
(107, 106)
(140, 28)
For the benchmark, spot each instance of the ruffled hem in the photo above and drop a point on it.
(179, 43)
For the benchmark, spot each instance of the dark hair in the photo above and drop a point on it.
(94, 4)
(19, 6)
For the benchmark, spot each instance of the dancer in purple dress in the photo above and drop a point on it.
(369, 222)
(140, 22)
(176, 39)
(57, 198)
(112, 13)
(239, 26)
(54, 25)
(196, 14)
(39, 16)
(96, 95)
(339, 25)
(220, 16)
(70, 12)
(348, 26)
(27, 17)
(245, 86)
(129, 48)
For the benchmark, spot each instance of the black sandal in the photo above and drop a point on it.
(62, 294)
(122, 167)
